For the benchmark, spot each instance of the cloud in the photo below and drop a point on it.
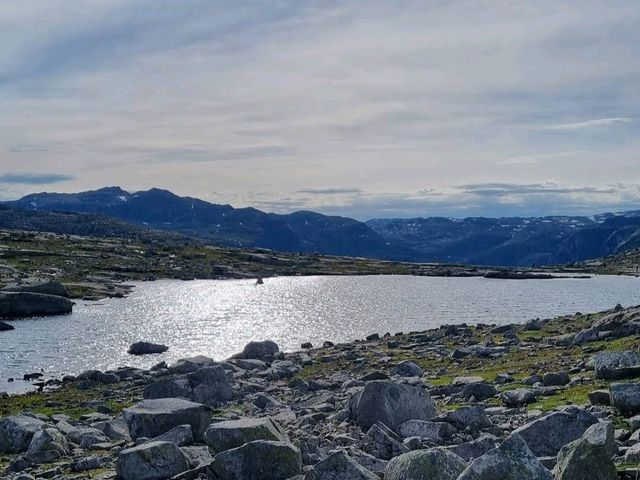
(35, 178)
(541, 157)
(300, 98)
(598, 122)
(329, 191)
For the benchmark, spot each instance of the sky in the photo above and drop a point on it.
(365, 109)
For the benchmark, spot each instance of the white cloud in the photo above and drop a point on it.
(598, 122)
(278, 97)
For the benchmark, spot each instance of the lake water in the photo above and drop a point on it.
(218, 317)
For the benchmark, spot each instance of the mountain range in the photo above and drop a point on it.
(510, 241)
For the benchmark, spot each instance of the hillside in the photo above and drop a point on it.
(511, 241)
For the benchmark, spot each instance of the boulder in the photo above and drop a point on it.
(180, 436)
(475, 448)
(626, 397)
(146, 348)
(466, 418)
(547, 435)
(339, 466)
(555, 378)
(151, 418)
(258, 460)
(589, 457)
(599, 397)
(5, 327)
(383, 443)
(209, 385)
(391, 404)
(16, 433)
(479, 390)
(229, 434)
(617, 365)
(151, 461)
(47, 445)
(191, 364)
(518, 397)
(47, 287)
(265, 350)
(433, 432)
(431, 464)
(620, 323)
(408, 369)
(24, 304)
(512, 460)
(86, 437)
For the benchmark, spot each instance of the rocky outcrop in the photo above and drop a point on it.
(265, 350)
(47, 445)
(46, 287)
(151, 461)
(390, 403)
(258, 460)
(617, 365)
(16, 433)
(626, 397)
(221, 436)
(590, 457)
(209, 385)
(339, 466)
(618, 324)
(512, 460)
(432, 464)
(151, 418)
(547, 435)
(25, 304)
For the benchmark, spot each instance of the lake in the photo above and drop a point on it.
(218, 317)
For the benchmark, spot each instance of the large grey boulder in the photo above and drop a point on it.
(229, 434)
(547, 435)
(25, 304)
(34, 285)
(390, 403)
(151, 461)
(209, 385)
(16, 433)
(615, 325)
(180, 436)
(86, 437)
(339, 466)
(264, 350)
(432, 464)
(151, 418)
(626, 397)
(512, 460)
(589, 457)
(258, 460)
(47, 445)
(5, 327)
(617, 365)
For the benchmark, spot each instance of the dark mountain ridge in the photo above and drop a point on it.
(509, 241)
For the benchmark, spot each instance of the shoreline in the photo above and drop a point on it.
(501, 358)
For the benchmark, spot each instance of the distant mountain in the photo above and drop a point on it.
(513, 241)
(237, 227)
(482, 241)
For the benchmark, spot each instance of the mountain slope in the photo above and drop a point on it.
(481, 241)
(223, 224)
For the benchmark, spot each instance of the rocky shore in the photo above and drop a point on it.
(550, 399)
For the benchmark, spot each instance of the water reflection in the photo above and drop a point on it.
(217, 318)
